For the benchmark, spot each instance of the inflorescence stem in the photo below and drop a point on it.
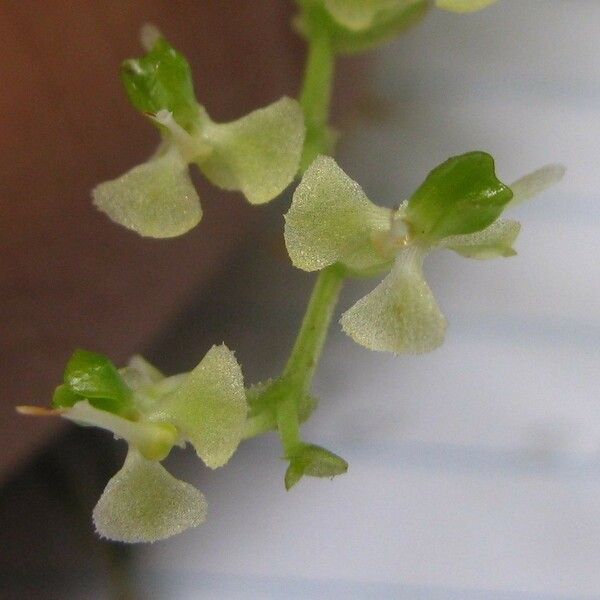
(294, 383)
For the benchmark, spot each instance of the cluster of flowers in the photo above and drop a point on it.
(330, 221)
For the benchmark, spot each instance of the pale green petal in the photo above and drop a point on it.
(209, 407)
(332, 220)
(492, 242)
(462, 6)
(149, 385)
(400, 315)
(535, 183)
(145, 503)
(156, 199)
(153, 440)
(360, 14)
(139, 373)
(259, 154)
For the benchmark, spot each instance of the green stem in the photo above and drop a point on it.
(307, 349)
(315, 97)
(300, 368)
(286, 392)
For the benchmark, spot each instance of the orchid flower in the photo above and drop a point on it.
(357, 25)
(258, 154)
(331, 221)
(152, 413)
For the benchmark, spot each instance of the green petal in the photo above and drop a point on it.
(209, 407)
(461, 6)
(360, 14)
(492, 242)
(258, 154)
(162, 80)
(95, 376)
(400, 315)
(156, 199)
(145, 503)
(535, 183)
(462, 195)
(331, 220)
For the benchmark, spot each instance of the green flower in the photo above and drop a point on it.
(357, 25)
(258, 154)
(331, 220)
(152, 413)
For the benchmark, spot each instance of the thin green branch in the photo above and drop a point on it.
(315, 97)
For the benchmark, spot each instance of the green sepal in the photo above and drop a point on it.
(162, 80)
(460, 196)
(384, 26)
(92, 376)
(64, 397)
(313, 461)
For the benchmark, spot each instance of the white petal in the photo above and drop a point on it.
(400, 315)
(535, 183)
(491, 242)
(145, 503)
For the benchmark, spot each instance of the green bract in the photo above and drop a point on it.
(258, 154)
(313, 461)
(332, 221)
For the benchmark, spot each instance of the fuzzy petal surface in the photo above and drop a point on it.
(331, 220)
(143, 502)
(209, 407)
(258, 154)
(400, 315)
(155, 199)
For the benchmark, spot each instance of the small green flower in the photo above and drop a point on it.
(258, 154)
(357, 25)
(152, 413)
(331, 220)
